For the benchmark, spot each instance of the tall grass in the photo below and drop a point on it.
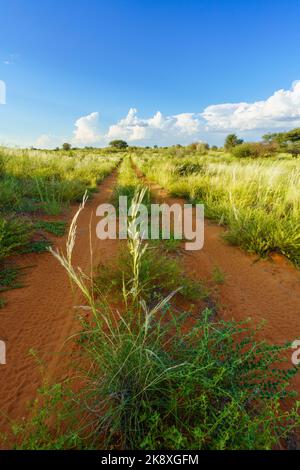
(42, 182)
(258, 200)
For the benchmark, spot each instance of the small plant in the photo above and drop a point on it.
(10, 277)
(55, 227)
(14, 234)
(218, 275)
(36, 246)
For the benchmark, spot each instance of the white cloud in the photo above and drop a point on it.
(159, 127)
(279, 110)
(86, 131)
(47, 141)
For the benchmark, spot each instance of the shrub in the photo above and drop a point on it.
(14, 234)
(254, 150)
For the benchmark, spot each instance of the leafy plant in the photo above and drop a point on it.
(57, 227)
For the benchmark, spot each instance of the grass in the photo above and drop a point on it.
(257, 200)
(218, 276)
(34, 183)
(127, 184)
(10, 278)
(152, 383)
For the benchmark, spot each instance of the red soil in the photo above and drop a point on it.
(41, 316)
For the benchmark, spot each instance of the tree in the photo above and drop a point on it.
(66, 146)
(232, 141)
(118, 144)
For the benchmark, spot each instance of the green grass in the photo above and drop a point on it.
(218, 276)
(127, 184)
(10, 277)
(257, 200)
(159, 274)
(43, 182)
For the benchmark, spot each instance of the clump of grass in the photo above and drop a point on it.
(218, 275)
(159, 273)
(155, 272)
(10, 277)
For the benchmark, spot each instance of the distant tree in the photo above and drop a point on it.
(286, 141)
(66, 146)
(118, 144)
(214, 147)
(232, 141)
(155, 146)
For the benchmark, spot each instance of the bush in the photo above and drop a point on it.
(14, 234)
(254, 150)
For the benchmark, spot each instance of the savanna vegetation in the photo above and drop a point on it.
(253, 189)
(149, 374)
(36, 189)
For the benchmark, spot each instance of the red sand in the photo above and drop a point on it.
(41, 316)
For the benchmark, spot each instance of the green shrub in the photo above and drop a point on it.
(254, 150)
(14, 234)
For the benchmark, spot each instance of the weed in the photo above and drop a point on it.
(55, 227)
(217, 275)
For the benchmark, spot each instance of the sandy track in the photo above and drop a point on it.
(41, 316)
(254, 288)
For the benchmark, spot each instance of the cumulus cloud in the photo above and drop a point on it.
(134, 128)
(86, 129)
(279, 110)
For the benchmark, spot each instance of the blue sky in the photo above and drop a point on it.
(187, 70)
